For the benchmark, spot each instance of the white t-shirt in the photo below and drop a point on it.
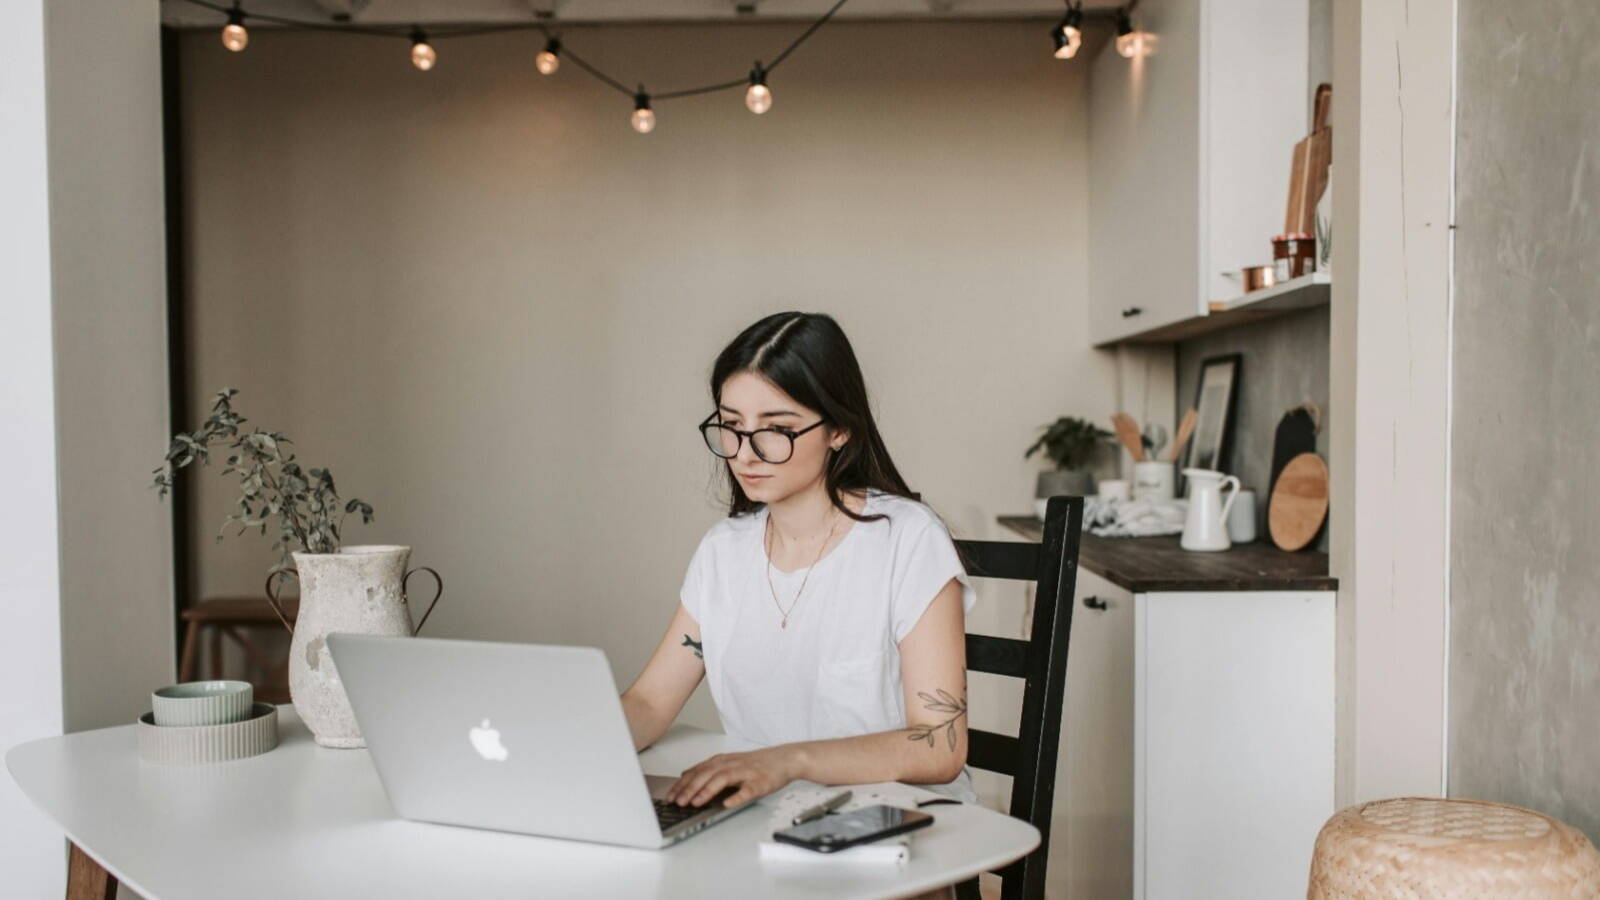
(835, 670)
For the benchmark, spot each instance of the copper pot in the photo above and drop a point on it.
(1257, 277)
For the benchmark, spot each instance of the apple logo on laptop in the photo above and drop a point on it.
(486, 740)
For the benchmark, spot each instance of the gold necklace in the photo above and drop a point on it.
(766, 546)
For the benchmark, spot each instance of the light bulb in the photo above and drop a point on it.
(1131, 43)
(549, 59)
(758, 97)
(1134, 44)
(644, 118)
(1068, 34)
(234, 35)
(422, 52)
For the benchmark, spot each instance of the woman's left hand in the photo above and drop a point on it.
(758, 773)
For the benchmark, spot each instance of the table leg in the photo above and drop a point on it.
(87, 879)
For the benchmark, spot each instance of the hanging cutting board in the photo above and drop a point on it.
(1299, 502)
(1296, 434)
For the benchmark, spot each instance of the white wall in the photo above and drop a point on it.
(490, 307)
(30, 642)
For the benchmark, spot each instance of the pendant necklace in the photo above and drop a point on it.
(766, 545)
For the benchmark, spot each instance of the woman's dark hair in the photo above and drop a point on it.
(808, 357)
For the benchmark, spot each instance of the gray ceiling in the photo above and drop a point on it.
(180, 13)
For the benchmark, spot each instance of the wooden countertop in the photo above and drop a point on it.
(1147, 565)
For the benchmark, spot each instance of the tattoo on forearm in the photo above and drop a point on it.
(943, 703)
(694, 645)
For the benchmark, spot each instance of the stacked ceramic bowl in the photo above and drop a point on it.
(206, 721)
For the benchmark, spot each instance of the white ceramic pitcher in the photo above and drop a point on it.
(1206, 528)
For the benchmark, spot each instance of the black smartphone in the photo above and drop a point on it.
(837, 831)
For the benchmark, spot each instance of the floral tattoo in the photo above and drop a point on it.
(943, 703)
(694, 645)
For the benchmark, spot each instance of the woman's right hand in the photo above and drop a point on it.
(668, 680)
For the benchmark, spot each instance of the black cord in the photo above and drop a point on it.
(440, 33)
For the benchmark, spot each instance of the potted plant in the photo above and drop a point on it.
(358, 589)
(1071, 443)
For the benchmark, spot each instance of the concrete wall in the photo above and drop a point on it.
(1285, 364)
(1525, 516)
(491, 307)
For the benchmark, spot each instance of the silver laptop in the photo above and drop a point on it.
(513, 737)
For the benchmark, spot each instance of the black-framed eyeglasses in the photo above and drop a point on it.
(773, 444)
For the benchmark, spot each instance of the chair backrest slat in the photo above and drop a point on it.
(991, 751)
(1018, 560)
(1041, 661)
(997, 655)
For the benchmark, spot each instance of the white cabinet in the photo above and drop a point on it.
(1189, 151)
(1091, 840)
(1234, 741)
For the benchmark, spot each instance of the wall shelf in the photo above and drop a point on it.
(1305, 292)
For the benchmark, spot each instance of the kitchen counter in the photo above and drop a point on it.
(1158, 564)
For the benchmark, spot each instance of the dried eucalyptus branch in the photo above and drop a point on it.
(302, 504)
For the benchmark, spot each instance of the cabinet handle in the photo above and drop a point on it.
(1095, 603)
(1132, 311)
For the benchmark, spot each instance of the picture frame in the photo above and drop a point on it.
(1216, 401)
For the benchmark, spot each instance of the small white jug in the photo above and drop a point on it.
(1206, 528)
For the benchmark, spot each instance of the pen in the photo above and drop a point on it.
(822, 809)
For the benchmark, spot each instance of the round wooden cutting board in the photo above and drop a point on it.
(1299, 502)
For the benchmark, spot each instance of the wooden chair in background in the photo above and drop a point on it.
(241, 620)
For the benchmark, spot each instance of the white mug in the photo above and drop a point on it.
(1154, 480)
(1114, 489)
(1242, 518)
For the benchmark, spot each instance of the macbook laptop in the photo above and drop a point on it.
(512, 737)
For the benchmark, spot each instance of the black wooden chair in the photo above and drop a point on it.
(1041, 661)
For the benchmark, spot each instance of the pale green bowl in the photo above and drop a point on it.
(202, 703)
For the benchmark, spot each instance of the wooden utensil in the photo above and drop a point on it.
(1185, 429)
(1308, 173)
(1299, 502)
(1128, 433)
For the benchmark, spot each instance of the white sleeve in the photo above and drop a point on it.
(925, 561)
(696, 579)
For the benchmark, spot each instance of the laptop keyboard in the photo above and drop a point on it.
(670, 814)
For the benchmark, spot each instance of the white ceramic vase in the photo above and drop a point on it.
(359, 590)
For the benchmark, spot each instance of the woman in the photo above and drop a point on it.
(827, 611)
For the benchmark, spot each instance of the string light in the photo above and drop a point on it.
(1130, 42)
(549, 59)
(758, 97)
(644, 118)
(423, 55)
(1068, 33)
(234, 35)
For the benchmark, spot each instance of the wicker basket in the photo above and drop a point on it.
(1426, 848)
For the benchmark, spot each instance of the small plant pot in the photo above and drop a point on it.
(1056, 482)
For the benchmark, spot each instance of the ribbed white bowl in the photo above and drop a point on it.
(209, 743)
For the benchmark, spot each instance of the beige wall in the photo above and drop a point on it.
(491, 307)
(109, 295)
